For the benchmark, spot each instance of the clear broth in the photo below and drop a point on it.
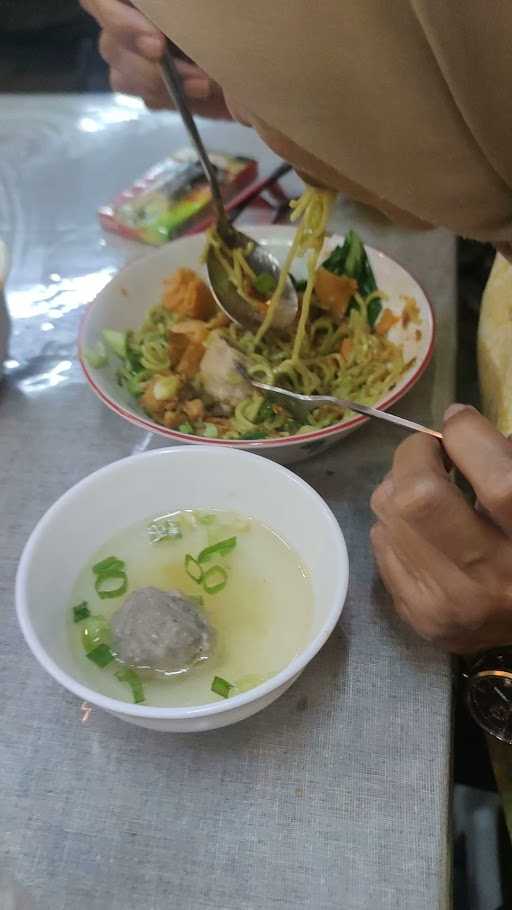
(262, 617)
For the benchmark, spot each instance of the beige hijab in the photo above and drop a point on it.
(406, 104)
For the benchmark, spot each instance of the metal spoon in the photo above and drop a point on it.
(300, 405)
(226, 295)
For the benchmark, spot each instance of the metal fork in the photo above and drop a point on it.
(300, 405)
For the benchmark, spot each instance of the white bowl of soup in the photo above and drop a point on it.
(182, 589)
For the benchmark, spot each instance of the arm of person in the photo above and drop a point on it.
(446, 564)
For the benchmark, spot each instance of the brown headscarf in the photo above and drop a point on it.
(405, 104)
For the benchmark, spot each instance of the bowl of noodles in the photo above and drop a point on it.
(156, 349)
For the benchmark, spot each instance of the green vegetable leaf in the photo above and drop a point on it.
(221, 687)
(373, 311)
(101, 655)
(335, 262)
(81, 611)
(134, 681)
(222, 548)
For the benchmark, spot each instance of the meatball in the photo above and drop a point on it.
(161, 631)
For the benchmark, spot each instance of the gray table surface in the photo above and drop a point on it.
(337, 796)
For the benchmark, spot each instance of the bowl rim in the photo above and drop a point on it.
(286, 675)
(146, 423)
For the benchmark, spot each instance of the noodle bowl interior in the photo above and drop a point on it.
(183, 364)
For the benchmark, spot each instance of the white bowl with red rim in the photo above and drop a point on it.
(123, 303)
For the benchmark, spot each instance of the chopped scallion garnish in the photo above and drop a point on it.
(81, 611)
(103, 582)
(215, 580)
(222, 548)
(134, 681)
(104, 567)
(264, 284)
(101, 655)
(193, 569)
(221, 686)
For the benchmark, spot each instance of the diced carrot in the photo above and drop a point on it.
(386, 322)
(346, 348)
(334, 292)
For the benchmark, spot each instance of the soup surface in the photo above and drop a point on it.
(243, 579)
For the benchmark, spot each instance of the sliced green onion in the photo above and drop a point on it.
(81, 611)
(221, 686)
(101, 655)
(102, 584)
(215, 580)
(186, 428)
(222, 548)
(96, 357)
(210, 431)
(111, 562)
(134, 681)
(193, 569)
(116, 341)
(264, 284)
(95, 631)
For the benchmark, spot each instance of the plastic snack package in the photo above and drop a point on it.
(173, 197)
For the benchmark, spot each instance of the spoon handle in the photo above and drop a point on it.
(173, 84)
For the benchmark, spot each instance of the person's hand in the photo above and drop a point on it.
(132, 47)
(447, 565)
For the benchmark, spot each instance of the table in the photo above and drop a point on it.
(336, 796)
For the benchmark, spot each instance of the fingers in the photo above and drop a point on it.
(419, 493)
(441, 603)
(484, 457)
(126, 26)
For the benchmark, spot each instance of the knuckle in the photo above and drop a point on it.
(418, 499)
(498, 493)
